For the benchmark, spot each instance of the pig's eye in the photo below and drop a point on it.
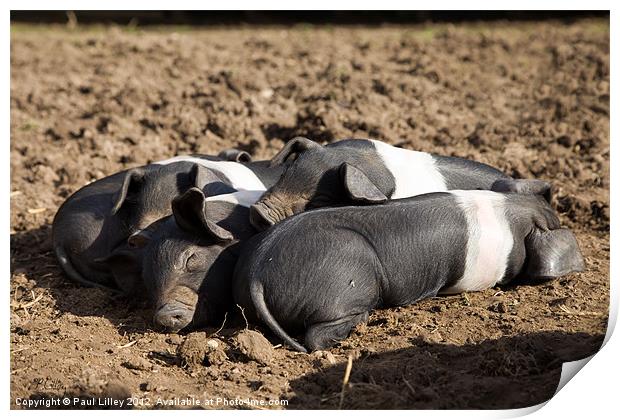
(193, 263)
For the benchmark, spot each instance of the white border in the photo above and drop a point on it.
(594, 392)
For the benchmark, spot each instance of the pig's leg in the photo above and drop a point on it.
(552, 254)
(325, 334)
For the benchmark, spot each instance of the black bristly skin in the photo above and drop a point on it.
(312, 178)
(92, 227)
(99, 232)
(321, 272)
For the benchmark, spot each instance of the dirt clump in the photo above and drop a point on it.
(197, 349)
(254, 346)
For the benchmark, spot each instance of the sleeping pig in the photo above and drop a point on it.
(321, 272)
(98, 231)
(320, 176)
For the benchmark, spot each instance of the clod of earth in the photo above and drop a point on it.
(255, 346)
(196, 350)
(138, 364)
(193, 350)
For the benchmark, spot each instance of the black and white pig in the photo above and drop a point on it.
(189, 262)
(98, 231)
(325, 176)
(319, 273)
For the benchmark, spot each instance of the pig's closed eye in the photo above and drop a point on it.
(193, 263)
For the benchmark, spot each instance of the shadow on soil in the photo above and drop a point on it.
(32, 256)
(510, 372)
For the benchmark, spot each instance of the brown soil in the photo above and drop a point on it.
(531, 99)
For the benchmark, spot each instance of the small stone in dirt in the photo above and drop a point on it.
(212, 344)
(255, 346)
(215, 353)
(266, 93)
(146, 386)
(565, 141)
(138, 364)
(193, 350)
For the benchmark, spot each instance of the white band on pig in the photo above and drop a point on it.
(489, 240)
(242, 198)
(414, 172)
(240, 176)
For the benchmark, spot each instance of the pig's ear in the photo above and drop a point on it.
(359, 187)
(524, 186)
(294, 146)
(190, 214)
(199, 176)
(243, 157)
(235, 155)
(132, 185)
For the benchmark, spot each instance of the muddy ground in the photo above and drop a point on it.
(529, 98)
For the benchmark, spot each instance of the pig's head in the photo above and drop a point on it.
(140, 205)
(318, 176)
(188, 266)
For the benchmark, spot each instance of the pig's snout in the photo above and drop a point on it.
(173, 317)
(259, 217)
